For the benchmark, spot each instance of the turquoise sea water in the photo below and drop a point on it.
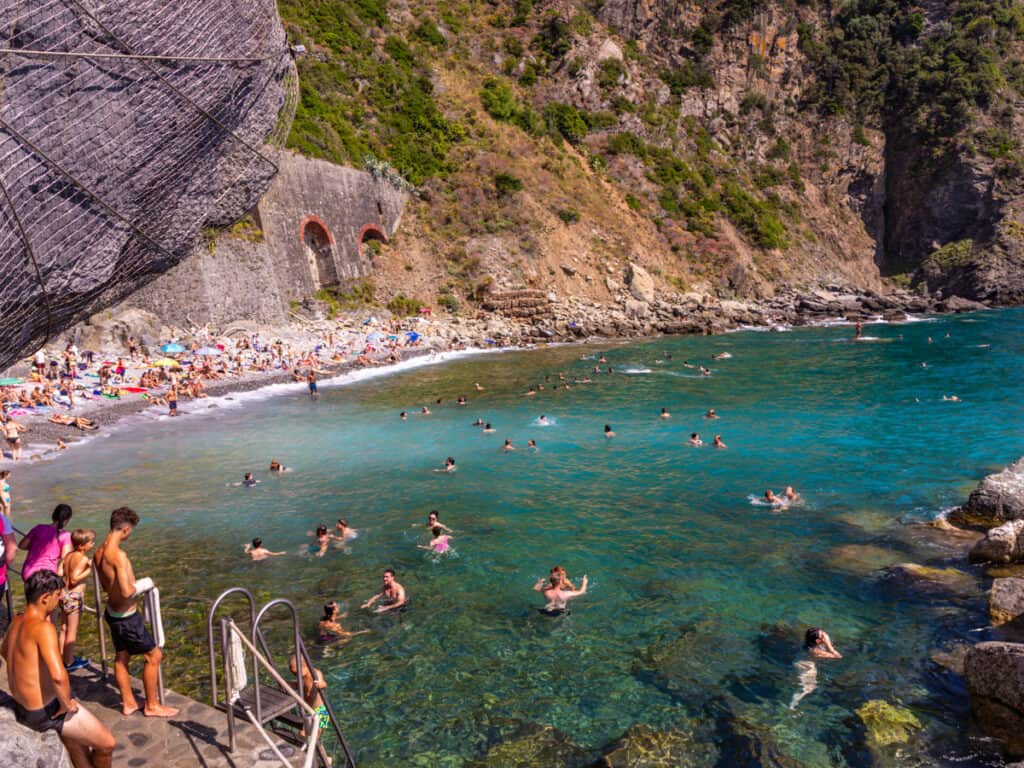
(698, 597)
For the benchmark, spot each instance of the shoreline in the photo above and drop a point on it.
(498, 332)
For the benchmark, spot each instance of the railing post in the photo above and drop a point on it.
(225, 629)
(100, 628)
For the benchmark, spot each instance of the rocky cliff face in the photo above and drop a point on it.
(111, 162)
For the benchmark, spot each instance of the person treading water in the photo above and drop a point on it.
(665, 414)
(257, 551)
(695, 440)
(558, 591)
(440, 543)
(392, 595)
(817, 645)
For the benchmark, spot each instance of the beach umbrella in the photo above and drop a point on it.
(167, 362)
(208, 352)
(172, 349)
(412, 336)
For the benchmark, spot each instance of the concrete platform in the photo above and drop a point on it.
(196, 737)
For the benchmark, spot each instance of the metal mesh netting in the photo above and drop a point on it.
(125, 128)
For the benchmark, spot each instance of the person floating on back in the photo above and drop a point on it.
(39, 683)
(127, 629)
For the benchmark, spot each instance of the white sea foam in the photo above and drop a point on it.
(636, 371)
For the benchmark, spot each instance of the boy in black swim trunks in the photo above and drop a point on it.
(40, 684)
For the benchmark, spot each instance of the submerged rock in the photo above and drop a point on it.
(745, 744)
(862, 558)
(952, 658)
(643, 747)
(947, 579)
(536, 745)
(999, 497)
(994, 673)
(1006, 600)
(1002, 544)
(692, 660)
(887, 724)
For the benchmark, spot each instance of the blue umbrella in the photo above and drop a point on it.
(412, 336)
(172, 348)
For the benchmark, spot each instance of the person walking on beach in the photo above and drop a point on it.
(76, 567)
(127, 629)
(314, 394)
(12, 434)
(392, 595)
(40, 684)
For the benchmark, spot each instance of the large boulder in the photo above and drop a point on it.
(1006, 600)
(999, 497)
(1002, 544)
(640, 283)
(24, 748)
(994, 673)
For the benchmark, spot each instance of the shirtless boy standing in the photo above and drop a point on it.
(40, 684)
(127, 629)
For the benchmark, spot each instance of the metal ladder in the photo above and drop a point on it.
(266, 704)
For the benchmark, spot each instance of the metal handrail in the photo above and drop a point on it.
(209, 635)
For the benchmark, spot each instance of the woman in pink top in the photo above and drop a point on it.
(440, 544)
(47, 544)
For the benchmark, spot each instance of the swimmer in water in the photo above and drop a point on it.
(478, 423)
(543, 420)
(275, 466)
(771, 498)
(329, 626)
(608, 432)
(392, 595)
(532, 445)
(449, 465)
(951, 399)
(424, 411)
(248, 480)
(790, 494)
(257, 551)
(718, 442)
(722, 356)
(558, 590)
(488, 429)
(508, 446)
(403, 416)
(323, 539)
(695, 440)
(441, 542)
(530, 392)
(711, 414)
(344, 533)
(462, 400)
(602, 359)
(665, 414)
(817, 645)
(705, 371)
(860, 330)
(433, 522)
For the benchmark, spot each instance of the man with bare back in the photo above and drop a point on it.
(40, 684)
(127, 629)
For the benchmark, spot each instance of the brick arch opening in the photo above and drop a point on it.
(319, 242)
(371, 232)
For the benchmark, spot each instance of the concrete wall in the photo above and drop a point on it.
(239, 277)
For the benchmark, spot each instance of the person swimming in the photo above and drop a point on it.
(440, 543)
(542, 421)
(392, 595)
(248, 480)
(257, 551)
(508, 445)
(771, 498)
(344, 533)
(478, 423)
(488, 429)
(718, 442)
(403, 416)
(665, 414)
(424, 411)
(817, 645)
(695, 440)
(532, 445)
(330, 628)
(434, 522)
(449, 465)
(711, 414)
(608, 431)
(462, 400)
(323, 540)
(558, 590)
(790, 494)
(476, 385)
(276, 466)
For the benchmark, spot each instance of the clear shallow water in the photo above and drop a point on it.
(697, 596)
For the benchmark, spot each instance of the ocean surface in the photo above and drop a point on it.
(699, 594)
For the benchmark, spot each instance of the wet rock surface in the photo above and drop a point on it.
(1006, 600)
(994, 673)
(1002, 544)
(644, 747)
(999, 497)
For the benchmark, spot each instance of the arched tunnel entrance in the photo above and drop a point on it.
(370, 232)
(318, 240)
